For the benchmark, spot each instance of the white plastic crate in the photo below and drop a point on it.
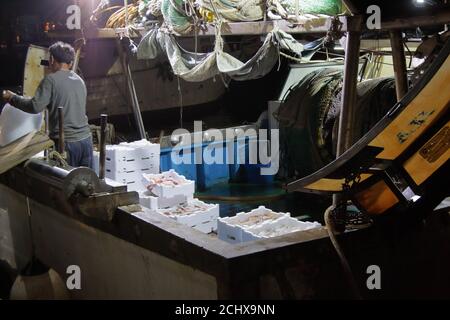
(127, 162)
(139, 155)
(230, 229)
(196, 214)
(150, 201)
(207, 226)
(278, 228)
(169, 184)
(133, 180)
(111, 172)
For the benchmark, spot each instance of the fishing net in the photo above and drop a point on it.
(298, 9)
(375, 98)
(301, 118)
(176, 16)
(232, 10)
(180, 15)
(150, 7)
(196, 67)
(309, 118)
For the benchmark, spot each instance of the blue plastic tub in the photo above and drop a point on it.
(207, 175)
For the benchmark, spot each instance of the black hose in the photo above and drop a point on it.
(344, 262)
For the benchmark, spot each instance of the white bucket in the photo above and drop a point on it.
(14, 124)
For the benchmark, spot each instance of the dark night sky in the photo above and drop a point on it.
(24, 20)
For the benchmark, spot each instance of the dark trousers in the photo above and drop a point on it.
(79, 153)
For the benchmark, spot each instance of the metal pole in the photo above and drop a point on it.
(61, 131)
(353, 43)
(345, 137)
(132, 91)
(398, 56)
(103, 128)
(47, 131)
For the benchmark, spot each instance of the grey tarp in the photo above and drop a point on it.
(202, 66)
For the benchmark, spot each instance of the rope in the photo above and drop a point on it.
(180, 93)
(118, 18)
(56, 156)
(344, 262)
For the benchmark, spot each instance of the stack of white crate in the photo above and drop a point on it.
(176, 200)
(260, 223)
(137, 165)
(157, 195)
(127, 162)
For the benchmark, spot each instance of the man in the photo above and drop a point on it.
(62, 88)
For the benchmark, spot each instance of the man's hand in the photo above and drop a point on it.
(7, 95)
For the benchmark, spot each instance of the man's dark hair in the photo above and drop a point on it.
(62, 52)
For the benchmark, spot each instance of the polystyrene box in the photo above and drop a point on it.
(231, 229)
(133, 180)
(139, 155)
(150, 201)
(14, 124)
(184, 187)
(201, 220)
(278, 228)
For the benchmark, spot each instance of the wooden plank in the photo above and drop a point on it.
(332, 185)
(429, 105)
(22, 150)
(316, 26)
(422, 21)
(433, 155)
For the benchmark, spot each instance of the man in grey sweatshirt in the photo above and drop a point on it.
(62, 88)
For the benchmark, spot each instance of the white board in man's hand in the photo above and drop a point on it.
(14, 124)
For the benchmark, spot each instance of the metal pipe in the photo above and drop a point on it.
(61, 131)
(103, 128)
(398, 56)
(132, 91)
(81, 180)
(48, 172)
(345, 136)
(47, 131)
